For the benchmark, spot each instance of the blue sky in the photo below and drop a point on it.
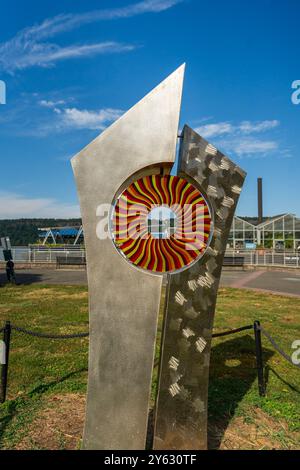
(71, 68)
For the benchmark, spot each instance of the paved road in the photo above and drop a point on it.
(49, 276)
(280, 282)
(285, 282)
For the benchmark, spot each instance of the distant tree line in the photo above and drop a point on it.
(22, 232)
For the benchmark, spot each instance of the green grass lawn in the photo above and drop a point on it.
(47, 378)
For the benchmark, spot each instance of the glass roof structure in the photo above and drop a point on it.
(278, 232)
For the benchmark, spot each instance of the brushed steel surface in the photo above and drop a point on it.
(123, 301)
(181, 409)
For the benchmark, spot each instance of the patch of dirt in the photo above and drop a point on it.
(50, 292)
(58, 426)
(289, 319)
(4, 309)
(77, 296)
(38, 293)
(260, 432)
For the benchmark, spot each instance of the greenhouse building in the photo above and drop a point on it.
(279, 232)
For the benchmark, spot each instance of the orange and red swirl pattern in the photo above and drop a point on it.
(130, 223)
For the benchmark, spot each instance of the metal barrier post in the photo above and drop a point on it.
(259, 359)
(4, 368)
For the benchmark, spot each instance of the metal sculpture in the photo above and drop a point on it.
(125, 188)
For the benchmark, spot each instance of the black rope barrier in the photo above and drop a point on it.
(83, 335)
(258, 329)
(230, 332)
(48, 335)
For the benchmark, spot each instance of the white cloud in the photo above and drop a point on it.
(245, 127)
(212, 130)
(18, 206)
(84, 119)
(28, 48)
(239, 138)
(51, 104)
(54, 113)
(67, 22)
(15, 56)
(244, 147)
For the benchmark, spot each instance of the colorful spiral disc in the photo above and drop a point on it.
(161, 223)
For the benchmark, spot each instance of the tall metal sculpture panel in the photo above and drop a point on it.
(123, 301)
(181, 411)
(128, 167)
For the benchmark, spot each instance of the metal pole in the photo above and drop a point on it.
(259, 200)
(4, 368)
(259, 359)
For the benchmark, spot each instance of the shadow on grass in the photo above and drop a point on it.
(25, 404)
(232, 373)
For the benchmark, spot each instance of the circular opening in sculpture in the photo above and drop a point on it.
(161, 223)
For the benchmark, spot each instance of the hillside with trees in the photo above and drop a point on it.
(25, 231)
